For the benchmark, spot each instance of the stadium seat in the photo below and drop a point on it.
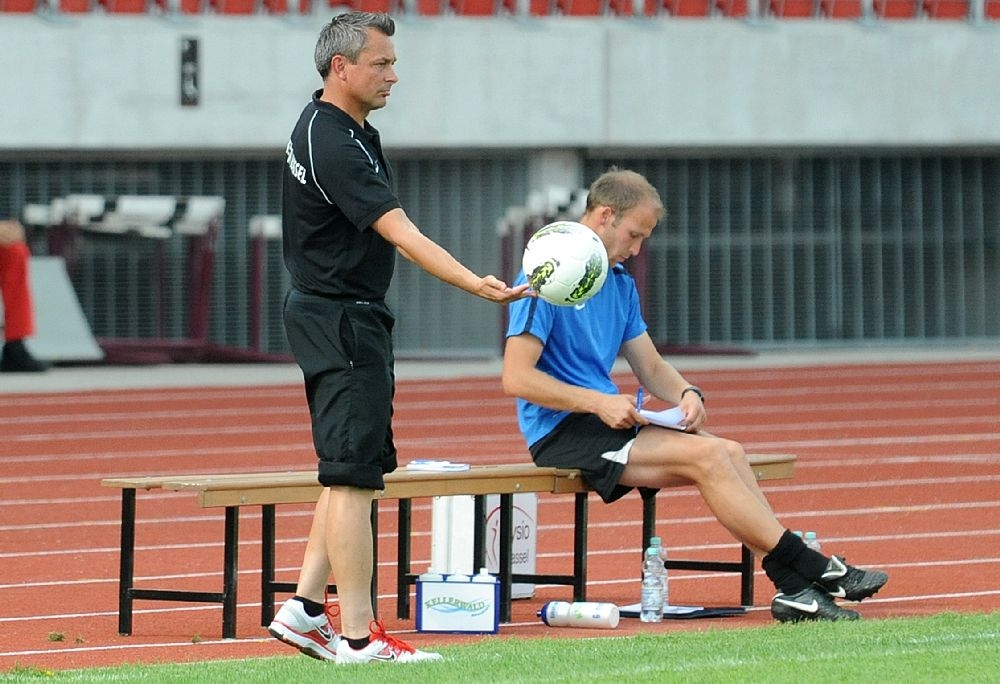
(896, 9)
(733, 8)
(280, 7)
(17, 6)
(792, 9)
(124, 6)
(234, 6)
(688, 8)
(474, 8)
(582, 8)
(75, 6)
(841, 9)
(946, 9)
(992, 9)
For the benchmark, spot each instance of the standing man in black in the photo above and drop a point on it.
(343, 225)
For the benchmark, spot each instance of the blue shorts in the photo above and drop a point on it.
(584, 442)
(344, 348)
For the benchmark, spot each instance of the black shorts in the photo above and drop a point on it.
(344, 348)
(584, 442)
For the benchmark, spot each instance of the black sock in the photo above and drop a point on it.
(791, 565)
(312, 608)
(358, 644)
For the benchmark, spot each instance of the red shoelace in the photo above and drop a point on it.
(379, 633)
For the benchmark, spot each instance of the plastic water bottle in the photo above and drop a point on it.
(664, 574)
(811, 541)
(580, 614)
(651, 598)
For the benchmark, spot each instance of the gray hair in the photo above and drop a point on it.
(347, 35)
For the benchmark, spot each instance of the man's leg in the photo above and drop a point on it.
(315, 572)
(303, 621)
(662, 458)
(349, 550)
(658, 458)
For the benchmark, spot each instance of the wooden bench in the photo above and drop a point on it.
(232, 491)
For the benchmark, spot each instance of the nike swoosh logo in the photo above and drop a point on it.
(326, 632)
(804, 607)
(838, 592)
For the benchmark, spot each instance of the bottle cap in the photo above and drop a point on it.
(544, 612)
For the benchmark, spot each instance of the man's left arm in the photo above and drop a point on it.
(661, 379)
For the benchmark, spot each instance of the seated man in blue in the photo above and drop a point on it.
(558, 362)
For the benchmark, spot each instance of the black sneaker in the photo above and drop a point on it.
(17, 359)
(809, 604)
(848, 582)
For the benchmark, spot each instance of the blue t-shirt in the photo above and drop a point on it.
(580, 343)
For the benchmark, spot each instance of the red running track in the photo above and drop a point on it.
(898, 467)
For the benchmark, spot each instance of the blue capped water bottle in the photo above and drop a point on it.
(651, 598)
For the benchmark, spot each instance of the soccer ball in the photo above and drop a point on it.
(565, 263)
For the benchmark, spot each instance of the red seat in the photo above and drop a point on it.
(582, 8)
(896, 9)
(992, 9)
(947, 9)
(234, 6)
(75, 6)
(17, 6)
(793, 8)
(732, 8)
(285, 6)
(429, 8)
(688, 8)
(841, 9)
(474, 8)
(125, 6)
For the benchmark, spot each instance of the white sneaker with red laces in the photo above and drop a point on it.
(382, 649)
(314, 636)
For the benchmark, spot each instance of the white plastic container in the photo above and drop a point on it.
(580, 614)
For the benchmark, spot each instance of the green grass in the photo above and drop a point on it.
(942, 648)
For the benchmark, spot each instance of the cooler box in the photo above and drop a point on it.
(458, 606)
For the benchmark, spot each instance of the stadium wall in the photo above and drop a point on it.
(100, 82)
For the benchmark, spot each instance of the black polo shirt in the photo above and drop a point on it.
(336, 183)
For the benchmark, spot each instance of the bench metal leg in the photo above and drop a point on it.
(374, 588)
(266, 564)
(479, 533)
(746, 583)
(580, 547)
(648, 517)
(229, 572)
(403, 553)
(126, 563)
(506, 554)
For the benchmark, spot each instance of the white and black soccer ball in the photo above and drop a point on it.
(565, 263)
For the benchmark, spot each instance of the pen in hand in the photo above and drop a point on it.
(638, 403)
